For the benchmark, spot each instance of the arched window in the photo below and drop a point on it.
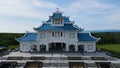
(42, 47)
(71, 48)
(81, 48)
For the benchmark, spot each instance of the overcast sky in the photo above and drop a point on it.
(22, 15)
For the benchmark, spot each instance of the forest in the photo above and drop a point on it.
(8, 39)
(108, 37)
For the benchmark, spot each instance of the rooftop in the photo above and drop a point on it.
(86, 37)
(28, 37)
(50, 27)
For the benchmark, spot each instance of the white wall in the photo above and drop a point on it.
(47, 38)
(88, 46)
(26, 46)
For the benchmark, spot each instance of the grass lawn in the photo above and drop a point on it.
(12, 47)
(112, 48)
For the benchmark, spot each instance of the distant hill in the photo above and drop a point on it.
(99, 31)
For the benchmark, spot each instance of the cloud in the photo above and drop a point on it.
(88, 14)
(25, 8)
(42, 4)
(13, 25)
(23, 13)
(91, 14)
(90, 7)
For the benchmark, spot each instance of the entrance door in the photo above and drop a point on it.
(57, 47)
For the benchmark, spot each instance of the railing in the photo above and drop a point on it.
(55, 58)
(104, 65)
(8, 64)
(116, 65)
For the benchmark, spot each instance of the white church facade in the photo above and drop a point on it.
(58, 34)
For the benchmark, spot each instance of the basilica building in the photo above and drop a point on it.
(58, 34)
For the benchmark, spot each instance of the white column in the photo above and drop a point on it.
(67, 48)
(21, 47)
(38, 48)
(76, 48)
(47, 47)
(55, 45)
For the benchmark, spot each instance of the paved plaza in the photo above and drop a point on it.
(59, 60)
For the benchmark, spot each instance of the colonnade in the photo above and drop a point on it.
(47, 48)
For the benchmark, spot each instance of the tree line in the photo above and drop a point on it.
(106, 38)
(9, 38)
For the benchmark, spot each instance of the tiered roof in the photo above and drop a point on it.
(68, 25)
(66, 20)
(28, 37)
(86, 37)
(82, 37)
(65, 27)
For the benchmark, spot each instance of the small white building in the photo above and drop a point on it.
(58, 34)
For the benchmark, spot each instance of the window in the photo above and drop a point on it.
(61, 34)
(42, 35)
(57, 21)
(57, 34)
(72, 35)
(90, 47)
(52, 34)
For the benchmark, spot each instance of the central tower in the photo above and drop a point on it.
(57, 19)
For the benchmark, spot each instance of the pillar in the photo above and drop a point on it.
(67, 48)
(62, 45)
(38, 48)
(47, 48)
(76, 48)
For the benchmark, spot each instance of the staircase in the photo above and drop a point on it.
(56, 62)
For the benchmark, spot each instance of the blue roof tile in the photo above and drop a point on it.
(57, 15)
(28, 37)
(66, 20)
(86, 37)
(49, 27)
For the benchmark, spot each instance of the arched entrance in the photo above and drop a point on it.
(71, 48)
(57, 47)
(42, 48)
(34, 47)
(81, 48)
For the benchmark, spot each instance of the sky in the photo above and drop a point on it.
(19, 16)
